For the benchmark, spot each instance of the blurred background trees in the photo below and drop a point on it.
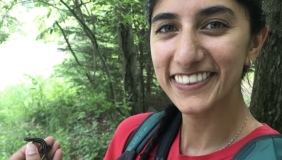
(107, 75)
(266, 104)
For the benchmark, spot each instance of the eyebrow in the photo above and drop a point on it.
(164, 16)
(214, 10)
(203, 12)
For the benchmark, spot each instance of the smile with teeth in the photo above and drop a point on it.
(194, 78)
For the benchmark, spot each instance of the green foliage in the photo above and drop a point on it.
(72, 114)
(86, 98)
(247, 85)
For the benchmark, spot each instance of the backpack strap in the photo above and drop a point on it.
(168, 138)
(265, 147)
(140, 137)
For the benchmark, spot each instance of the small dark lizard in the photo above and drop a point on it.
(44, 147)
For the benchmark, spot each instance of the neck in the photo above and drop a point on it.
(211, 131)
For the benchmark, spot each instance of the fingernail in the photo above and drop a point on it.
(31, 149)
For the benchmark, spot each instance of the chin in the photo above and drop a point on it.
(192, 109)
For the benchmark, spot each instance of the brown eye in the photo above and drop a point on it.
(166, 29)
(215, 26)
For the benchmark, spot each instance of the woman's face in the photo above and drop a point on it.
(199, 48)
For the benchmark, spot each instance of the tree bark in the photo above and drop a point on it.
(266, 103)
(130, 67)
(141, 75)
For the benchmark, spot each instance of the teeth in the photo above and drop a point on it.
(204, 75)
(200, 77)
(193, 78)
(184, 79)
(176, 78)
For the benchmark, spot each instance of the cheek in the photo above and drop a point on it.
(161, 54)
(229, 54)
(231, 57)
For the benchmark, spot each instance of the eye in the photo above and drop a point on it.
(215, 25)
(166, 29)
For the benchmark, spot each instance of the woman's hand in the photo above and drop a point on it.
(30, 151)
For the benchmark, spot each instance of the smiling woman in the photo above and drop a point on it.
(207, 41)
(200, 51)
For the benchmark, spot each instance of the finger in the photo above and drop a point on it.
(19, 155)
(50, 140)
(56, 146)
(31, 152)
(55, 150)
(58, 155)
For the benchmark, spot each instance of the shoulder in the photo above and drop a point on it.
(131, 123)
(260, 131)
(264, 129)
(123, 131)
(266, 144)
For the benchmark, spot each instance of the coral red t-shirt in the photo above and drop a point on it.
(130, 124)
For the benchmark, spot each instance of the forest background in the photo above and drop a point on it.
(106, 74)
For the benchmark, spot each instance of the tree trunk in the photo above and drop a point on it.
(77, 14)
(130, 67)
(266, 104)
(141, 75)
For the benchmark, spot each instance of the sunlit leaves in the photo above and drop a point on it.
(56, 106)
(76, 104)
(8, 23)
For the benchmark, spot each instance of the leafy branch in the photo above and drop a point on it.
(92, 38)
(71, 50)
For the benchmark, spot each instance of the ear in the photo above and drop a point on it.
(257, 42)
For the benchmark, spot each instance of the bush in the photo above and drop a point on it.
(76, 116)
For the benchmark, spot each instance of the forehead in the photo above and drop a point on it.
(191, 7)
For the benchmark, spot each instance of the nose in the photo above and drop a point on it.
(188, 49)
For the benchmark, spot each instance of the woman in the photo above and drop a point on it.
(200, 51)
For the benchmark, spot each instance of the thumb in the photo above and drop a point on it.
(32, 152)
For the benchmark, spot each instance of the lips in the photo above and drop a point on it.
(193, 78)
